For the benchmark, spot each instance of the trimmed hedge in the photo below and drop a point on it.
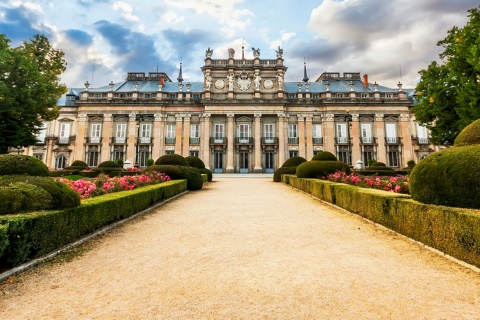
(79, 163)
(89, 174)
(62, 195)
(324, 156)
(277, 175)
(450, 177)
(32, 235)
(3, 238)
(469, 135)
(172, 159)
(21, 164)
(318, 169)
(108, 164)
(194, 179)
(195, 162)
(23, 197)
(293, 162)
(454, 231)
(63, 173)
(208, 173)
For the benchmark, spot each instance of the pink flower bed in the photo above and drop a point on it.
(398, 184)
(88, 188)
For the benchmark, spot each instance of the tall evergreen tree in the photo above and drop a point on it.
(29, 89)
(449, 93)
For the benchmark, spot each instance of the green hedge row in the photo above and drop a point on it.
(32, 235)
(3, 238)
(454, 231)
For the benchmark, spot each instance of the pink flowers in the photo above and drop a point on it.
(398, 184)
(103, 184)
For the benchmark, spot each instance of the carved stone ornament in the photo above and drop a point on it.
(230, 116)
(207, 115)
(256, 52)
(82, 117)
(244, 82)
(281, 116)
(379, 117)
(279, 52)
(268, 84)
(158, 117)
(355, 116)
(308, 117)
(257, 116)
(330, 116)
(132, 116)
(187, 117)
(300, 117)
(107, 117)
(219, 84)
(178, 117)
(208, 53)
(404, 117)
(231, 53)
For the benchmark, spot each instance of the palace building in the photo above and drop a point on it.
(242, 118)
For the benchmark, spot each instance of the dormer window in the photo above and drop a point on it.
(339, 95)
(71, 98)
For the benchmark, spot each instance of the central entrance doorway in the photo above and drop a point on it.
(218, 162)
(243, 161)
(269, 162)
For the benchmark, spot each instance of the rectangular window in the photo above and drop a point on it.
(92, 158)
(341, 133)
(64, 136)
(143, 155)
(170, 137)
(366, 132)
(39, 156)
(367, 156)
(391, 132)
(292, 134)
(243, 130)
(393, 157)
(194, 134)
(422, 134)
(317, 134)
(268, 128)
(292, 154)
(219, 130)
(170, 151)
(194, 154)
(42, 134)
(145, 132)
(120, 133)
(118, 154)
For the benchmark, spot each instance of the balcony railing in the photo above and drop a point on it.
(170, 140)
(119, 140)
(341, 140)
(367, 140)
(244, 140)
(423, 141)
(63, 140)
(269, 140)
(392, 140)
(292, 140)
(94, 140)
(317, 140)
(218, 140)
(145, 140)
(194, 140)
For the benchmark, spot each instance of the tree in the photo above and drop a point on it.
(449, 93)
(29, 89)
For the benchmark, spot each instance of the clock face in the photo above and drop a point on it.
(268, 84)
(219, 84)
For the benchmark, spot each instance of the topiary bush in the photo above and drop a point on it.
(62, 195)
(195, 162)
(79, 163)
(172, 159)
(293, 161)
(21, 164)
(17, 197)
(450, 177)
(193, 176)
(319, 169)
(378, 164)
(469, 135)
(207, 172)
(108, 167)
(324, 156)
(277, 175)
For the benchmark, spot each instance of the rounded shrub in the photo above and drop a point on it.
(108, 167)
(173, 172)
(293, 161)
(17, 197)
(195, 162)
(378, 164)
(172, 159)
(324, 156)
(79, 163)
(21, 164)
(319, 169)
(108, 164)
(192, 175)
(194, 178)
(207, 172)
(469, 135)
(449, 177)
(277, 175)
(62, 195)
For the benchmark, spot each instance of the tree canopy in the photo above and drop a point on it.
(449, 92)
(29, 89)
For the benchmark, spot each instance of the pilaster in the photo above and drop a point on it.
(178, 133)
(380, 133)
(186, 135)
(281, 139)
(80, 140)
(309, 135)
(230, 143)
(258, 146)
(301, 136)
(106, 134)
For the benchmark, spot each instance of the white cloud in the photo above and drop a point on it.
(29, 5)
(171, 17)
(126, 9)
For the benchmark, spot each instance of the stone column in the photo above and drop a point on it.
(132, 132)
(186, 135)
(301, 136)
(206, 140)
(178, 133)
(281, 139)
(80, 139)
(309, 136)
(406, 139)
(230, 143)
(380, 133)
(106, 134)
(158, 136)
(258, 145)
(355, 139)
(329, 137)
(48, 159)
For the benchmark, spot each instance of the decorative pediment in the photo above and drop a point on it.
(95, 119)
(244, 119)
(390, 118)
(65, 120)
(121, 118)
(366, 119)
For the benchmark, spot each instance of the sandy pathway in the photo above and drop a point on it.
(247, 249)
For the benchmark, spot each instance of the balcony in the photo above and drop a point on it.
(63, 140)
(367, 140)
(170, 140)
(218, 140)
(145, 140)
(392, 140)
(293, 140)
(423, 141)
(94, 140)
(119, 140)
(317, 140)
(269, 140)
(244, 140)
(194, 140)
(341, 140)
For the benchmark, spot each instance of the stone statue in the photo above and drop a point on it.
(208, 53)
(279, 52)
(280, 81)
(256, 52)
(208, 81)
(231, 53)
(256, 81)
(230, 78)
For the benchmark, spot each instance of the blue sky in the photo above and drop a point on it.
(105, 39)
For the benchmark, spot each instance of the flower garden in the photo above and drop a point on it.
(398, 184)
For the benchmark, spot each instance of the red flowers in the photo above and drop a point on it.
(398, 184)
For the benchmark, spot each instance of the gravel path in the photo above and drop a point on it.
(247, 249)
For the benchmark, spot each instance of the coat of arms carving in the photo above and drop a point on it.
(244, 82)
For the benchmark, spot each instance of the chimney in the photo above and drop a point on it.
(162, 80)
(365, 80)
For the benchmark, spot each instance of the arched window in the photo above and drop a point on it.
(61, 162)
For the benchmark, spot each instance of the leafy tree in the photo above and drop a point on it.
(449, 93)
(29, 89)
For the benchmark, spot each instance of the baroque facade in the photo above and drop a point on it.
(242, 118)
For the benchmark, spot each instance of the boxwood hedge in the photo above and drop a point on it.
(21, 164)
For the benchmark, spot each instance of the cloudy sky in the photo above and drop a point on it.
(104, 39)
